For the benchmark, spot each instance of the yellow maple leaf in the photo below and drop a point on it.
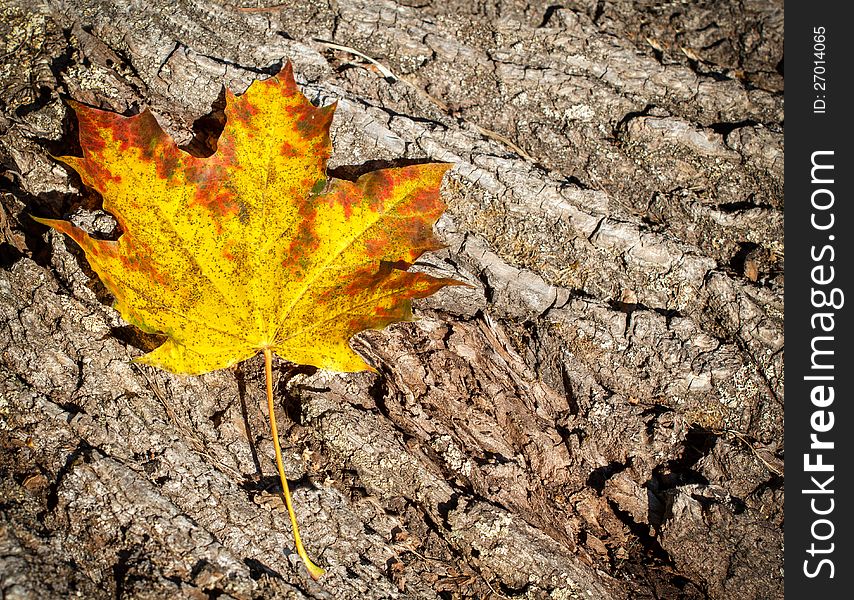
(254, 249)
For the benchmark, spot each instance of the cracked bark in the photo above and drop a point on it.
(600, 415)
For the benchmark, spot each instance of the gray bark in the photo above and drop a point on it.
(598, 415)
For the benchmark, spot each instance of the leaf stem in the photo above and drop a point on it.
(313, 569)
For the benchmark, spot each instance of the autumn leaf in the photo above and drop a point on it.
(253, 249)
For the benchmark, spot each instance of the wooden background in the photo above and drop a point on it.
(599, 416)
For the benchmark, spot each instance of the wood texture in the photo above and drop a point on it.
(599, 415)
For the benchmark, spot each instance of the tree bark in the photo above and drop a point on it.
(599, 414)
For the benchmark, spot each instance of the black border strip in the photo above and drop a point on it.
(819, 301)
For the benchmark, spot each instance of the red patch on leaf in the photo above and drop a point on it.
(345, 195)
(223, 204)
(139, 256)
(242, 112)
(168, 165)
(227, 251)
(92, 121)
(284, 81)
(98, 174)
(378, 188)
(375, 248)
(424, 203)
(305, 241)
(90, 140)
(208, 174)
(287, 150)
(141, 132)
(312, 123)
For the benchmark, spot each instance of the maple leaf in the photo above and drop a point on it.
(254, 249)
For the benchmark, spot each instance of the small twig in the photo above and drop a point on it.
(187, 433)
(409, 548)
(506, 141)
(743, 439)
(258, 9)
(386, 72)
